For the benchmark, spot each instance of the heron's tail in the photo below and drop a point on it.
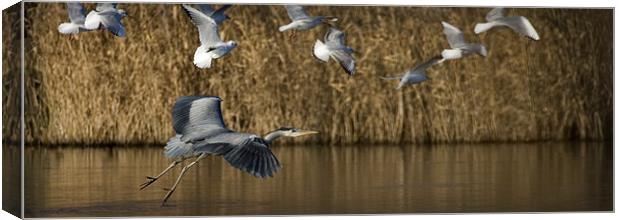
(482, 27)
(177, 148)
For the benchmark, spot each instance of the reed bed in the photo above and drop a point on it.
(97, 88)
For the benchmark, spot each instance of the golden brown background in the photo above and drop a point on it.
(97, 88)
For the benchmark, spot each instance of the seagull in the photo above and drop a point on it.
(335, 48)
(519, 24)
(458, 45)
(211, 46)
(301, 20)
(108, 16)
(217, 15)
(77, 15)
(417, 74)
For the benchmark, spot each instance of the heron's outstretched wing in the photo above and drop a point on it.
(454, 35)
(296, 12)
(197, 113)
(495, 14)
(207, 28)
(105, 6)
(521, 25)
(246, 152)
(77, 13)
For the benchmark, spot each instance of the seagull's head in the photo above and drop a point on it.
(232, 43)
(122, 12)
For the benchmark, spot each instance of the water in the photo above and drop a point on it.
(103, 181)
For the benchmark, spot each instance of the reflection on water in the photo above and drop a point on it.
(323, 180)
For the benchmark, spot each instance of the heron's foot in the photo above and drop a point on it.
(170, 191)
(149, 180)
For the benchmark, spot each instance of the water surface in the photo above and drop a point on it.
(103, 181)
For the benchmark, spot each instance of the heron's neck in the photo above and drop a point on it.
(273, 136)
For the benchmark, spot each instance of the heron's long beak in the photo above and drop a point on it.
(304, 132)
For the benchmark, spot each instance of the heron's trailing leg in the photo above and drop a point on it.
(150, 180)
(174, 187)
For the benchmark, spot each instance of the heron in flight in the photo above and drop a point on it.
(106, 16)
(334, 47)
(417, 74)
(211, 46)
(77, 15)
(459, 48)
(519, 24)
(300, 20)
(217, 15)
(200, 131)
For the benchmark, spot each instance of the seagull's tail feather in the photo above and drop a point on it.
(482, 27)
(177, 148)
(68, 28)
(202, 59)
(284, 28)
(330, 18)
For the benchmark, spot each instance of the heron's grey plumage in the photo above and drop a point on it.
(335, 47)
(211, 45)
(417, 74)
(459, 48)
(518, 24)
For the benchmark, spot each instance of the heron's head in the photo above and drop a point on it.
(295, 132)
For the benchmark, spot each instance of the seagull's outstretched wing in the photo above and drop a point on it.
(296, 12)
(105, 6)
(206, 9)
(346, 61)
(423, 66)
(207, 28)
(77, 13)
(521, 25)
(454, 35)
(495, 14)
(334, 37)
(112, 22)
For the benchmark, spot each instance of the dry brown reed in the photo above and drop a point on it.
(97, 88)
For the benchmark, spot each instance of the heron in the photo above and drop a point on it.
(108, 17)
(520, 24)
(334, 47)
(217, 15)
(300, 20)
(459, 48)
(201, 131)
(211, 45)
(77, 15)
(417, 74)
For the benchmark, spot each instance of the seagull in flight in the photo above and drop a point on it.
(211, 46)
(459, 48)
(106, 15)
(334, 47)
(300, 20)
(519, 24)
(77, 15)
(417, 74)
(217, 15)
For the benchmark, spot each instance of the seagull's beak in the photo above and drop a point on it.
(304, 132)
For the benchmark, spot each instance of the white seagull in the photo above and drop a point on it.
(77, 15)
(106, 15)
(217, 15)
(417, 74)
(457, 43)
(211, 46)
(519, 24)
(335, 48)
(301, 20)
